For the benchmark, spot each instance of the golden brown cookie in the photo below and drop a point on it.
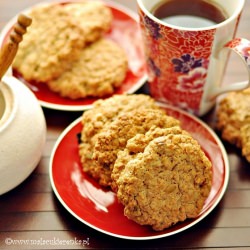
(97, 119)
(52, 43)
(166, 183)
(92, 16)
(102, 67)
(233, 119)
(56, 37)
(114, 137)
(245, 140)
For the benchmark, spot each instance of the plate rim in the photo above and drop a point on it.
(64, 107)
(196, 221)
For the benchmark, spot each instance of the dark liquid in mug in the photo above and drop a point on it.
(189, 13)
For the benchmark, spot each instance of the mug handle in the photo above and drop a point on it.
(241, 47)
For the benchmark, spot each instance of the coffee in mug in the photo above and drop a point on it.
(189, 14)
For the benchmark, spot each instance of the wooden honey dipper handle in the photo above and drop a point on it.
(9, 50)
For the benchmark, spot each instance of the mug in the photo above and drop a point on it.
(186, 62)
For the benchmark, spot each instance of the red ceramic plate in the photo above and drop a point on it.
(124, 31)
(98, 208)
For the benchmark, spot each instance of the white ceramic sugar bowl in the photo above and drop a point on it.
(22, 133)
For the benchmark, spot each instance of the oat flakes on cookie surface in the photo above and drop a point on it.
(137, 145)
(96, 119)
(166, 183)
(114, 138)
(233, 120)
(102, 67)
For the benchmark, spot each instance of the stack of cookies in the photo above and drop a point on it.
(159, 172)
(65, 48)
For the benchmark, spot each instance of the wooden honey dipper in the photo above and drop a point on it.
(9, 49)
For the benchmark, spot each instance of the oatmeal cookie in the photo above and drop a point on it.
(233, 119)
(245, 140)
(52, 43)
(102, 67)
(57, 36)
(164, 183)
(114, 138)
(99, 117)
(92, 16)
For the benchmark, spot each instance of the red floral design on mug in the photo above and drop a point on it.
(242, 46)
(180, 75)
(193, 81)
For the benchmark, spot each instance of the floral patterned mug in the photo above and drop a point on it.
(186, 65)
